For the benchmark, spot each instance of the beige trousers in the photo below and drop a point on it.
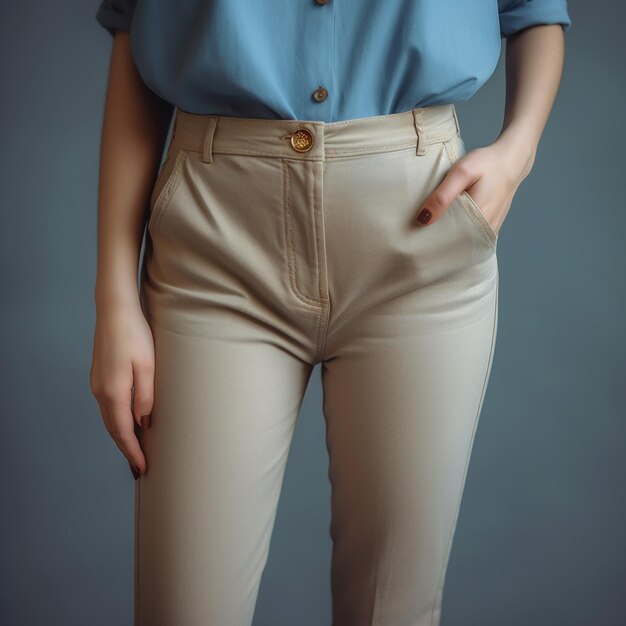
(273, 245)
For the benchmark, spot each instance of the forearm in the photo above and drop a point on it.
(133, 131)
(534, 64)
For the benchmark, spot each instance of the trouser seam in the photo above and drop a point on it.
(439, 596)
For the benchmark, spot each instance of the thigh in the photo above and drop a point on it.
(223, 419)
(401, 418)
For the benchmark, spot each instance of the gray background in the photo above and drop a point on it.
(541, 535)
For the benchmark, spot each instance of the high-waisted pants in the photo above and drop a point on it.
(271, 246)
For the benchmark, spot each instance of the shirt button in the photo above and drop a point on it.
(301, 140)
(320, 94)
(322, 1)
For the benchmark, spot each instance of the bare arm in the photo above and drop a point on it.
(534, 65)
(133, 132)
(492, 174)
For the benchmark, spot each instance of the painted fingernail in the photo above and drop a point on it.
(424, 216)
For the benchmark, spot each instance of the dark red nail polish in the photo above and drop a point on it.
(424, 216)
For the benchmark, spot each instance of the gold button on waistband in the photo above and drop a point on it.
(301, 140)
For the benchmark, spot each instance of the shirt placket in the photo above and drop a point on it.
(320, 51)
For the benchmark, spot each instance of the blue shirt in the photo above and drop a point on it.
(325, 60)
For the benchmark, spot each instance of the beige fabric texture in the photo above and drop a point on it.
(261, 261)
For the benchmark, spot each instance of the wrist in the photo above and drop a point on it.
(116, 298)
(520, 146)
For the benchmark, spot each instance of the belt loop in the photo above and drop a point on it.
(418, 122)
(207, 151)
(456, 121)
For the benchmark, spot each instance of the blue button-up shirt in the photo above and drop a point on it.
(324, 60)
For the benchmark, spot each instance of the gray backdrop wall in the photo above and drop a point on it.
(541, 535)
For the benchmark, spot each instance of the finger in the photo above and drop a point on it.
(133, 471)
(106, 417)
(438, 202)
(143, 392)
(122, 430)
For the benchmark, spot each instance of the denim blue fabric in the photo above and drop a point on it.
(326, 60)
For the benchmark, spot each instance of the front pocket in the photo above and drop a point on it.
(165, 185)
(470, 204)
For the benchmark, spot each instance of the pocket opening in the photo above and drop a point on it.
(480, 216)
(165, 185)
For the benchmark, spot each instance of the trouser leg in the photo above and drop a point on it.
(407, 360)
(401, 418)
(224, 416)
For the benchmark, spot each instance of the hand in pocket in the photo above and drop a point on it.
(489, 176)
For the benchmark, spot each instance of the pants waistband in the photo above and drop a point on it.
(313, 140)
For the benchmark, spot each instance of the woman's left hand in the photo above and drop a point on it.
(490, 175)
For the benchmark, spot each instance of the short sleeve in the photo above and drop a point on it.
(516, 15)
(116, 15)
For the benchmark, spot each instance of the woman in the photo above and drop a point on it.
(316, 204)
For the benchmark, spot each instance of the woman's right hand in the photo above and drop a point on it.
(122, 378)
